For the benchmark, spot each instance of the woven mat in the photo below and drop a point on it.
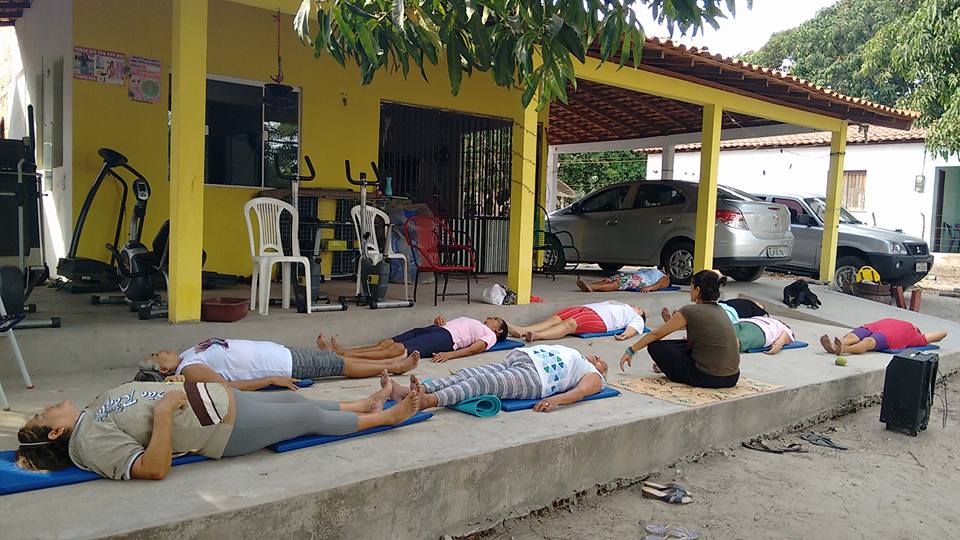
(662, 388)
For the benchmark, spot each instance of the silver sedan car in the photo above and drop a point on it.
(653, 223)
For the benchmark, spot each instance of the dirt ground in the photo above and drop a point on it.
(886, 485)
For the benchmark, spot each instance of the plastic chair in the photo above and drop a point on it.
(436, 250)
(372, 244)
(271, 252)
(7, 322)
(553, 246)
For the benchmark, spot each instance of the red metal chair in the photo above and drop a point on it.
(441, 250)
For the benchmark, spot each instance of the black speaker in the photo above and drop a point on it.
(908, 391)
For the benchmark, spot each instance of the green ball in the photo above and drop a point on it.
(841, 361)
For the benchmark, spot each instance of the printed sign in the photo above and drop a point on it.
(144, 79)
(98, 65)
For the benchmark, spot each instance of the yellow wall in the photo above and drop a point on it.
(242, 44)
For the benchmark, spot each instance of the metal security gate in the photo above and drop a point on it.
(459, 165)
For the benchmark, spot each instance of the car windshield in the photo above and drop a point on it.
(733, 194)
(818, 206)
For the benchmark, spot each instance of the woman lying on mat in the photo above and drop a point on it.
(881, 335)
(759, 332)
(442, 340)
(252, 365)
(646, 280)
(589, 318)
(554, 374)
(709, 357)
(133, 430)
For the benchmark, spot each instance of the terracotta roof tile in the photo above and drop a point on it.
(875, 135)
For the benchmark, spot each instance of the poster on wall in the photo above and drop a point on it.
(99, 65)
(144, 79)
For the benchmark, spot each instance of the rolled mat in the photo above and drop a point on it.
(480, 406)
(314, 440)
(302, 383)
(791, 345)
(921, 348)
(511, 405)
(586, 335)
(505, 345)
(13, 479)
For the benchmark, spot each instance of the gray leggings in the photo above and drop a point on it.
(265, 418)
(315, 363)
(514, 378)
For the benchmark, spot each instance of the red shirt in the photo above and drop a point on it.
(899, 334)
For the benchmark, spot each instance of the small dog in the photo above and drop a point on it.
(798, 293)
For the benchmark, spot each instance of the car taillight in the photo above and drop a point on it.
(732, 218)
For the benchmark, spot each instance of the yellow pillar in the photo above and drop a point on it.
(188, 110)
(831, 214)
(707, 192)
(520, 248)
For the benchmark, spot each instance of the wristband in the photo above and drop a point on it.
(630, 351)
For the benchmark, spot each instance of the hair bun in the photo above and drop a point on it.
(722, 281)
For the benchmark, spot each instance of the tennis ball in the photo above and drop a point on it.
(841, 361)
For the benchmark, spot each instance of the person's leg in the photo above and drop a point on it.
(705, 380)
(459, 376)
(597, 286)
(429, 340)
(780, 342)
(557, 331)
(356, 368)
(519, 381)
(873, 342)
(540, 326)
(383, 350)
(672, 357)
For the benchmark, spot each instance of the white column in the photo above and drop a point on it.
(553, 167)
(666, 162)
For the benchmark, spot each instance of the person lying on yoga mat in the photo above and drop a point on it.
(135, 429)
(252, 365)
(759, 332)
(586, 319)
(645, 280)
(882, 335)
(709, 357)
(554, 374)
(443, 340)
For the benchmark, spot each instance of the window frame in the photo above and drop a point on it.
(626, 193)
(663, 187)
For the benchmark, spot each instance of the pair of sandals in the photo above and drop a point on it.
(671, 493)
(817, 439)
(659, 532)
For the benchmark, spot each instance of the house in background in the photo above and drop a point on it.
(889, 178)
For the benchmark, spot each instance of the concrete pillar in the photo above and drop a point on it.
(553, 168)
(831, 214)
(707, 192)
(522, 208)
(666, 162)
(187, 134)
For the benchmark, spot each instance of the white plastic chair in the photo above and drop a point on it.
(16, 353)
(270, 251)
(371, 244)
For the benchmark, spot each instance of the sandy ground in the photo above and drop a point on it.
(887, 485)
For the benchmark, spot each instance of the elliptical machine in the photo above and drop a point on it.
(374, 267)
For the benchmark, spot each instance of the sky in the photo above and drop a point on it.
(750, 29)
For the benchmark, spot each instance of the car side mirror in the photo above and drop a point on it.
(576, 208)
(805, 219)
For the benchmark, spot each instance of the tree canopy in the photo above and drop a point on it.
(526, 43)
(586, 172)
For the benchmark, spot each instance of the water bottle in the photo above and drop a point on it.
(388, 187)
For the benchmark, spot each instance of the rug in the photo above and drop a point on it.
(662, 388)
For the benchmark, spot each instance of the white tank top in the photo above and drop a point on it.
(241, 359)
(560, 367)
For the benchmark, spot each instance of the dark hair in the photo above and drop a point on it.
(38, 452)
(149, 371)
(709, 283)
(504, 331)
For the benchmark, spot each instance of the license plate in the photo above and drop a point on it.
(776, 252)
(921, 267)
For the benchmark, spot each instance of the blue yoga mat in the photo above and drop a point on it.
(923, 348)
(668, 288)
(307, 441)
(505, 345)
(586, 335)
(13, 479)
(480, 406)
(791, 345)
(511, 405)
(302, 383)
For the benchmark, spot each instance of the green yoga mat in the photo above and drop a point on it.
(482, 406)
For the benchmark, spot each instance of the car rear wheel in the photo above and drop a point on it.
(610, 267)
(677, 260)
(744, 273)
(846, 272)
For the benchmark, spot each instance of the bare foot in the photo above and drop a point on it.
(656, 368)
(336, 347)
(838, 345)
(399, 367)
(775, 347)
(397, 391)
(381, 396)
(528, 337)
(665, 313)
(322, 343)
(404, 408)
(827, 344)
(416, 385)
(584, 286)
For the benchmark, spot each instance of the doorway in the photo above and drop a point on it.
(946, 214)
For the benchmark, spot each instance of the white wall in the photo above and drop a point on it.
(43, 33)
(891, 172)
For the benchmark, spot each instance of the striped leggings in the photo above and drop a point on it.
(514, 378)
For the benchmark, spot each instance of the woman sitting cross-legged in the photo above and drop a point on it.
(251, 365)
(134, 430)
(646, 280)
(709, 357)
(554, 374)
(590, 318)
(442, 341)
(760, 332)
(880, 336)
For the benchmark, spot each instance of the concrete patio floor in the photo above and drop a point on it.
(454, 474)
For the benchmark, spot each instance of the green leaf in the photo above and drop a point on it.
(454, 69)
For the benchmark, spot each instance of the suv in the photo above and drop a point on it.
(900, 259)
(653, 223)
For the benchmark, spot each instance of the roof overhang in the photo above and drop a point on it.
(11, 10)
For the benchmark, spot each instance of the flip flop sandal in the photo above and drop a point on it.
(760, 446)
(665, 487)
(822, 440)
(672, 495)
(656, 530)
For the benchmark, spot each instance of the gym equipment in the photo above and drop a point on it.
(83, 274)
(20, 182)
(908, 388)
(374, 266)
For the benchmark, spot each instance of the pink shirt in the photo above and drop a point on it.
(899, 334)
(466, 331)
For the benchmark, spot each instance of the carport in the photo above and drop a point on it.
(682, 95)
